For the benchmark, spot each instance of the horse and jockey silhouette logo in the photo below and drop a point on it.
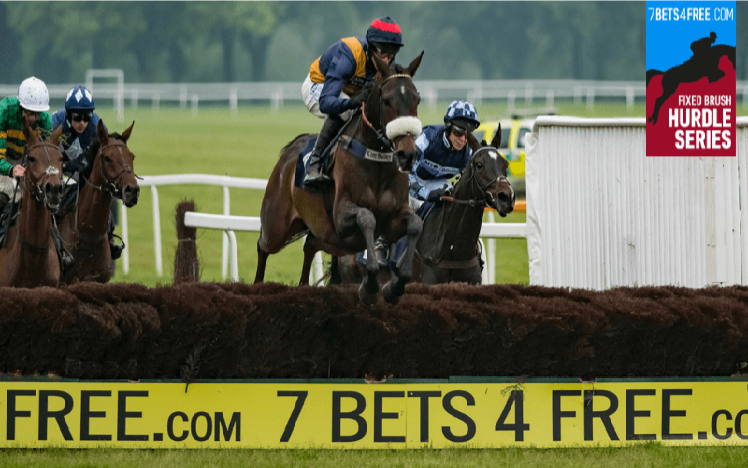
(705, 63)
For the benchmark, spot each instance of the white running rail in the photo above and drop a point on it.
(228, 223)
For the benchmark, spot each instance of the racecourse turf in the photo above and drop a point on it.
(247, 143)
(645, 455)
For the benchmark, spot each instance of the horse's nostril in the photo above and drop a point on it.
(504, 198)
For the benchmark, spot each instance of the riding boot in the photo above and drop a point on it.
(315, 177)
(66, 259)
(380, 251)
(4, 218)
(115, 248)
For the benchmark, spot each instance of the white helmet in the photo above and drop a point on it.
(33, 95)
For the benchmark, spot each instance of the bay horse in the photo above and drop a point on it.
(84, 230)
(706, 65)
(29, 258)
(448, 249)
(369, 197)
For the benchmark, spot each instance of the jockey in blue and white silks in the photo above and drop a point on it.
(442, 153)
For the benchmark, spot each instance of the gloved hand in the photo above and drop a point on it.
(360, 98)
(436, 194)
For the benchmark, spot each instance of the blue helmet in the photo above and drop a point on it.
(384, 31)
(79, 98)
(462, 110)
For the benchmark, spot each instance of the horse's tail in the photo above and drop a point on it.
(651, 74)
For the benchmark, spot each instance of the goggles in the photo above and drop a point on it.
(386, 54)
(80, 116)
(458, 131)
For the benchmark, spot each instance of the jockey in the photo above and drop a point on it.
(442, 154)
(339, 81)
(79, 122)
(31, 105)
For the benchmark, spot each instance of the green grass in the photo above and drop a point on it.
(647, 455)
(247, 144)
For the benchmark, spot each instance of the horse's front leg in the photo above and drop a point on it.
(369, 288)
(395, 288)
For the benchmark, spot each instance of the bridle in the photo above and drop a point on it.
(484, 202)
(113, 188)
(386, 142)
(37, 192)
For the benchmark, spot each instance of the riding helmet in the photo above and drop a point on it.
(33, 95)
(462, 110)
(79, 98)
(385, 31)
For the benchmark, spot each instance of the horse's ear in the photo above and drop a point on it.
(381, 66)
(55, 137)
(473, 142)
(126, 133)
(28, 132)
(496, 142)
(411, 70)
(102, 133)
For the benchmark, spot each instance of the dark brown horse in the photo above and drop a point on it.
(84, 230)
(448, 248)
(29, 258)
(370, 194)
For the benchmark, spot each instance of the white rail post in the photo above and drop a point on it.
(125, 240)
(157, 231)
(234, 255)
(318, 270)
(226, 212)
(491, 260)
(484, 273)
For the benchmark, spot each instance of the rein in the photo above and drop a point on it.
(386, 142)
(473, 202)
(114, 189)
(38, 193)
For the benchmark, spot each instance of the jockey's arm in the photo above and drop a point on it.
(341, 69)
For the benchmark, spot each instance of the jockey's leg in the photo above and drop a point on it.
(115, 248)
(315, 176)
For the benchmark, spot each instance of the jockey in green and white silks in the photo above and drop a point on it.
(31, 105)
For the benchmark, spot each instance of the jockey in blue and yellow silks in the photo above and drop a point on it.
(337, 84)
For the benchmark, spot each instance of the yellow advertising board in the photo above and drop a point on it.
(392, 415)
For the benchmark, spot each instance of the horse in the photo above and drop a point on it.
(706, 65)
(374, 153)
(448, 249)
(84, 230)
(29, 258)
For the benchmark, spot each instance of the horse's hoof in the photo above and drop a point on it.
(389, 295)
(366, 297)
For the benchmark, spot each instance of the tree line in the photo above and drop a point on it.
(277, 41)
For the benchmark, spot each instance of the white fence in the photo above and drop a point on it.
(601, 214)
(192, 94)
(229, 224)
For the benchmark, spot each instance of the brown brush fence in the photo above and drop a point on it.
(237, 331)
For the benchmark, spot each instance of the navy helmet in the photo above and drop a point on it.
(462, 111)
(384, 31)
(79, 98)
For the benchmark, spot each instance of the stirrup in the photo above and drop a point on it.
(66, 260)
(316, 180)
(115, 249)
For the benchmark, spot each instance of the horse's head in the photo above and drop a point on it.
(488, 169)
(393, 105)
(42, 161)
(115, 162)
